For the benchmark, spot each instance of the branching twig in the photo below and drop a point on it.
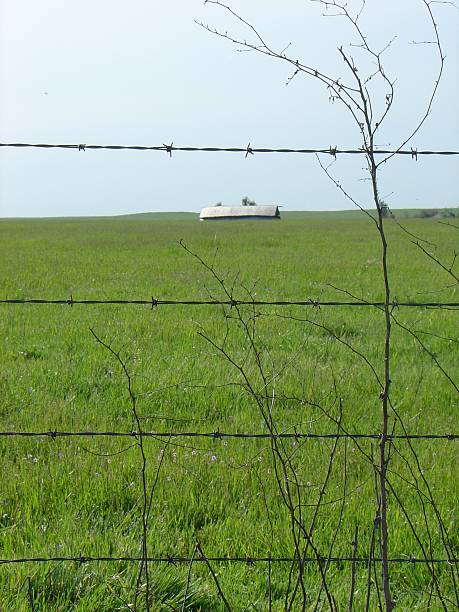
(143, 566)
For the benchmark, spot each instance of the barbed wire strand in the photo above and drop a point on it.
(247, 150)
(224, 559)
(153, 302)
(220, 434)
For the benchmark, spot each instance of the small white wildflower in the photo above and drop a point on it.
(213, 458)
(29, 457)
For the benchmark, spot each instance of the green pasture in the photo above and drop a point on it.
(83, 496)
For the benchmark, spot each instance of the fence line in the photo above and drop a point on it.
(153, 302)
(229, 559)
(139, 435)
(247, 150)
(219, 434)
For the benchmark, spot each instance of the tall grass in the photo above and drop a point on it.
(83, 497)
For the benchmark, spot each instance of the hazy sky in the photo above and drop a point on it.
(143, 72)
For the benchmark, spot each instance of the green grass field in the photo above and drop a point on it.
(83, 496)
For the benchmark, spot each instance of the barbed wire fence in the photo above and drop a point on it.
(260, 387)
(234, 307)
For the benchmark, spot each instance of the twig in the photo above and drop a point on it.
(188, 578)
(350, 605)
(214, 576)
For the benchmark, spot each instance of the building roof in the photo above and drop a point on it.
(240, 212)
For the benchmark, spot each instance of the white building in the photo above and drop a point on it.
(229, 213)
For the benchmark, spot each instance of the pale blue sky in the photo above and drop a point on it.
(142, 72)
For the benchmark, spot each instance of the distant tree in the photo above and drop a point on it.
(385, 210)
(246, 201)
(427, 213)
(218, 204)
